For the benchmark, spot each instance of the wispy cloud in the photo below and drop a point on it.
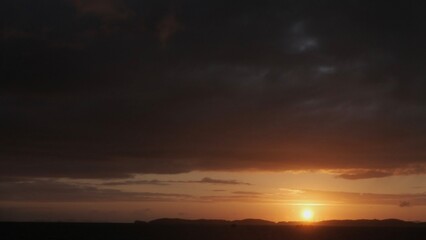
(136, 182)
(219, 181)
(51, 190)
(365, 174)
(37, 190)
(364, 198)
(405, 204)
(356, 174)
(247, 193)
(205, 180)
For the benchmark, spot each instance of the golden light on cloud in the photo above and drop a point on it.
(307, 214)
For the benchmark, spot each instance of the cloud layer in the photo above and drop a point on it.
(106, 89)
(58, 191)
(167, 182)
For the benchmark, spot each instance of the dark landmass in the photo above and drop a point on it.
(373, 223)
(178, 221)
(247, 229)
(210, 221)
(250, 221)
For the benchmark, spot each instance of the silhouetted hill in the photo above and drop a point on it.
(367, 222)
(180, 229)
(251, 221)
(140, 222)
(179, 221)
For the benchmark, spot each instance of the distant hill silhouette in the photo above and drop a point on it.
(368, 222)
(249, 221)
(179, 221)
(140, 222)
(247, 229)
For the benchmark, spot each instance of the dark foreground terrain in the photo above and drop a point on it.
(175, 231)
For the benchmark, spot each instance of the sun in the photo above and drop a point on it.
(307, 214)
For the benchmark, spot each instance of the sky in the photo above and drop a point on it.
(117, 110)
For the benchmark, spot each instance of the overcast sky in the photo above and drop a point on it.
(107, 89)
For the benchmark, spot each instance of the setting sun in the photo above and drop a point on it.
(307, 215)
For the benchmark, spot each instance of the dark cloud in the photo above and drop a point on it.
(89, 91)
(168, 182)
(136, 182)
(291, 196)
(246, 193)
(357, 197)
(365, 174)
(405, 204)
(220, 181)
(50, 190)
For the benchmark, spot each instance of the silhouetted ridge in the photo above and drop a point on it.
(251, 221)
(367, 222)
(179, 221)
(181, 229)
(140, 222)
